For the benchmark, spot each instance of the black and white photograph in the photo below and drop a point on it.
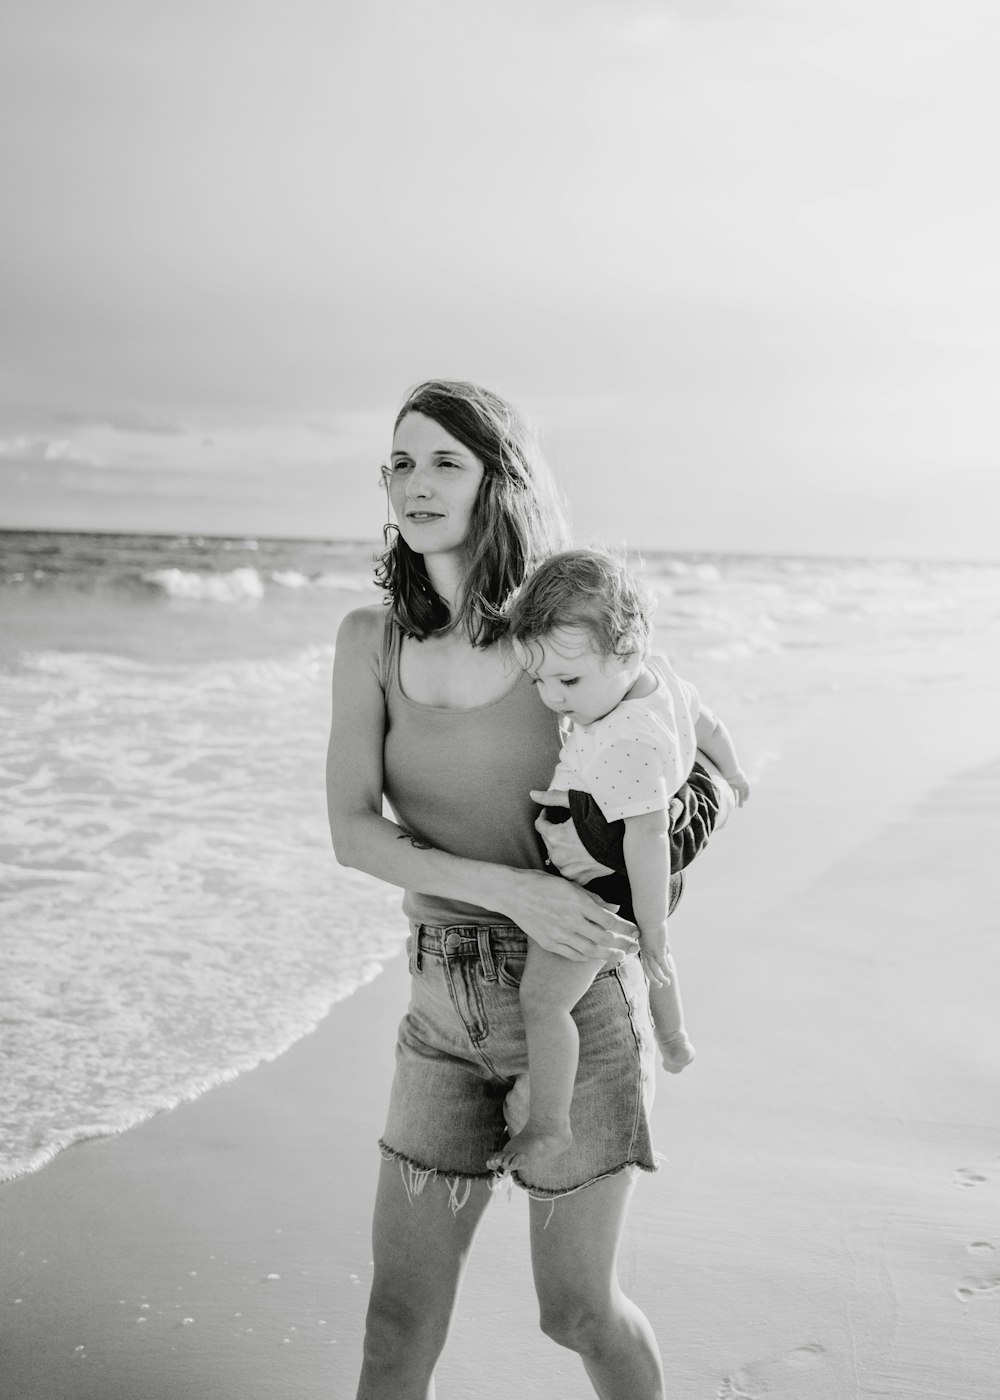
(499, 666)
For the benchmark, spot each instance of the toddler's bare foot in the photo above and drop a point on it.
(677, 1052)
(531, 1148)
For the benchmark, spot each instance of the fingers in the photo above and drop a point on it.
(656, 972)
(565, 919)
(575, 952)
(609, 931)
(610, 943)
(609, 909)
(578, 947)
(615, 931)
(551, 797)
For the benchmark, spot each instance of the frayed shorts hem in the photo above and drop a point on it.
(543, 1193)
(416, 1175)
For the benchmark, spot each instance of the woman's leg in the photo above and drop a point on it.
(420, 1249)
(574, 1251)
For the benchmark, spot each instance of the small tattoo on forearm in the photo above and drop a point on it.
(417, 842)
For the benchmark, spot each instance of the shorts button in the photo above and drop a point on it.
(452, 941)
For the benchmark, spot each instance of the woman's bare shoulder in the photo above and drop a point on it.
(363, 623)
(359, 637)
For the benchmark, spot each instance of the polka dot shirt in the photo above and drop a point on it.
(634, 759)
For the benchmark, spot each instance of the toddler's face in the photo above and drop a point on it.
(573, 678)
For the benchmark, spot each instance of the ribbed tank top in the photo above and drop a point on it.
(459, 779)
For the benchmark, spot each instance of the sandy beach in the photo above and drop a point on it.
(827, 1225)
(300, 302)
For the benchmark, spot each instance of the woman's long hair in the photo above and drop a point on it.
(517, 519)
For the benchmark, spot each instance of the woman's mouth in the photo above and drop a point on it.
(422, 515)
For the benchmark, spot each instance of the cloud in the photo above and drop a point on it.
(28, 450)
(119, 422)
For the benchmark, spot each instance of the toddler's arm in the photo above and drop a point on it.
(715, 740)
(647, 863)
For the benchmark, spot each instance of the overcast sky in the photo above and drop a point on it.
(738, 260)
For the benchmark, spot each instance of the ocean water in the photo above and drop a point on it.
(171, 911)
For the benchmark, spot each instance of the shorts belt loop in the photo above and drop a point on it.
(484, 936)
(415, 931)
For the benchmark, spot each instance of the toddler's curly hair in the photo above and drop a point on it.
(585, 588)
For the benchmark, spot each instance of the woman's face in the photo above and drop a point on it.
(433, 484)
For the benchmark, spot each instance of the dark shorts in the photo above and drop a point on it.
(700, 798)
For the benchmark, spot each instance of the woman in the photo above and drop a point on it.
(431, 712)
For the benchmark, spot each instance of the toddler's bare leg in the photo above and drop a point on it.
(668, 1021)
(550, 987)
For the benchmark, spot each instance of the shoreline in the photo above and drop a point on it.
(822, 1229)
(207, 1084)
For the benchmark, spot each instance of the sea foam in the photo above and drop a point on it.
(237, 586)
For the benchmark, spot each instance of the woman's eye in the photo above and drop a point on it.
(400, 466)
(570, 682)
(446, 463)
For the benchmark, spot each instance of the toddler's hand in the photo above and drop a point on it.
(740, 786)
(655, 954)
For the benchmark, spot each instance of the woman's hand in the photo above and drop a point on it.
(563, 918)
(550, 797)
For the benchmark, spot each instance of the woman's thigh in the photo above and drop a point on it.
(574, 1246)
(420, 1243)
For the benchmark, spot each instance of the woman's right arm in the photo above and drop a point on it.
(557, 914)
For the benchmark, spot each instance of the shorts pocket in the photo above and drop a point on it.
(510, 968)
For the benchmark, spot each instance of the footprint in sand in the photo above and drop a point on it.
(757, 1378)
(965, 1176)
(973, 1287)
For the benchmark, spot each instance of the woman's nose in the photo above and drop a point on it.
(418, 483)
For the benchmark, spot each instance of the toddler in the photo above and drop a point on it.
(635, 743)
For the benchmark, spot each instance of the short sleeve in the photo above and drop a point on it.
(692, 697)
(627, 778)
(568, 773)
(565, 778)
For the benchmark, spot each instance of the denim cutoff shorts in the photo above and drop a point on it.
(461, 1081)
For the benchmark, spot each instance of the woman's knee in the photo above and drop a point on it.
(407, 1324)
(577, 1322)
